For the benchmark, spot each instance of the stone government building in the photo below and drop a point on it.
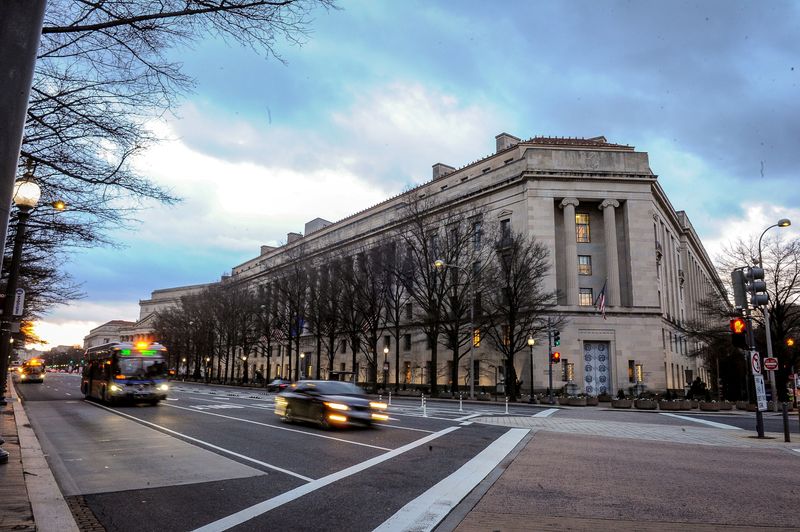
(601, 212)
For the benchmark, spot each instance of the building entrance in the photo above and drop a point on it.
(596, 368)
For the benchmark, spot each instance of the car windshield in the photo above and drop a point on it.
(336, 388)
(143, 368)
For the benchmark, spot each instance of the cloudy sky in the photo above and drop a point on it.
(383, 90)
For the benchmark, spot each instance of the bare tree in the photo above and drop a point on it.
(371, 284)
(103, 74)
(396, 302)
(515, 301)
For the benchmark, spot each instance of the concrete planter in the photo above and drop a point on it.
(709, 407)
(686, 405)
(604, 398)
(645, 404)
(564, 401)
(592, 401)
(752, 408)
(725, 405)
(576, 401)
(621, 403)
(741, 405)
(669, 405)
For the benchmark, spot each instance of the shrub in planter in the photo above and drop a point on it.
(741, 405)
(592, 401)
(604, 398)
(709, 406)
(645, 404)
(725, 405)
(483, 397)
(686, 404)
(669, 405)
(622, 403)
(576, 401)
(563, 401)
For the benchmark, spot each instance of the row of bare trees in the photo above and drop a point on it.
(488, 286)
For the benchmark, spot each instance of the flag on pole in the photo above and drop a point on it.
(600, 302)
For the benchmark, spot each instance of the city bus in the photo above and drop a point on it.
(124, 371)
(32, 370)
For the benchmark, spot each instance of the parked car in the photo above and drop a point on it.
(329, 403)
(278, 385)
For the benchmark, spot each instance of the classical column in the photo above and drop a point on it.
(570, 249)
(612, 258)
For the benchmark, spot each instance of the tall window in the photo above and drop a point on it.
(409, 311)
(585, 298)
(477, 234)
(505, 231)
(407, 342)
(584, 264)
(582, 227)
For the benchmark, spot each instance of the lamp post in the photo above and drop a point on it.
(439, 264)
(208, 368)
(244, 369)
(385, 366)
(302, 366)
(26, 196)
(185, 368)
(783, 222)
(531, 343)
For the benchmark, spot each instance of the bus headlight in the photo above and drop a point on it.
(115, 388)
(163, 387)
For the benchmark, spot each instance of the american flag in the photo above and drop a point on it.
(600, 302)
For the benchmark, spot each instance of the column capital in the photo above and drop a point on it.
(609, 203)
(569, 201)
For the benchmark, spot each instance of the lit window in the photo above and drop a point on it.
(585, 264)
(585, 298)
(476, 337)
(582, 227)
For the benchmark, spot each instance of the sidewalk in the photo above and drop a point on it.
(583, 475)
(30, 499)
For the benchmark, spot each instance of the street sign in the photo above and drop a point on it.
(19, 302)
(761, 393)
(771, 363)
(755, 363)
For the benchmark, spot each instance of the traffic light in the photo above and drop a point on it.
(556, 337)
(739, 288)
(555, 357)
(739, 332)
(790, 342)
(756, 286)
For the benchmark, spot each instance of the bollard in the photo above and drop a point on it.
(390, 399)
(786, 437)
(424, 407)
(460, 398)
(506, 404)
(380, 397)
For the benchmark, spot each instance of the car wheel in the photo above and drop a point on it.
(287, 415)
(154, 402)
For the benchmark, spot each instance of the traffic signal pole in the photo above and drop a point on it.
(550, 360)
(751, 338)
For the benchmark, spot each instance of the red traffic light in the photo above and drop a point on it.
(556, 357)
(738, 326)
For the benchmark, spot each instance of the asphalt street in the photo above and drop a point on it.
(218, 458)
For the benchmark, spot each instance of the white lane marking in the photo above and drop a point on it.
(702, 421)
(172, 399)
(427, 510)
(210, 445)
(405, 428)
(796, 450)
(263, 507)
(67, 393)
(465, 423)
(280, 428)
(464, 418)
(546, 413)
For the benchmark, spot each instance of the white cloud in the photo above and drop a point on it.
(68, 324)
(755, 220)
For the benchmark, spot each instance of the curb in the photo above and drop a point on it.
(50, 510)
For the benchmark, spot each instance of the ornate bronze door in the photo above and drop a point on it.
(596, 370)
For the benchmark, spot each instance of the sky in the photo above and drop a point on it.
(380, 91)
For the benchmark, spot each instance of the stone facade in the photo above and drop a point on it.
(607, 223)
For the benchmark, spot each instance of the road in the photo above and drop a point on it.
(216, 458)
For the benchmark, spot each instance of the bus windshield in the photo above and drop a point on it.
(143, 368)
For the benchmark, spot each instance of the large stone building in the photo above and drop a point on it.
(601, 212)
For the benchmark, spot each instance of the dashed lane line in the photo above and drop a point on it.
(204, 443)
(278, 427)
(270, 504)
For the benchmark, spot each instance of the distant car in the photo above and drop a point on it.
(328, 403)
(278, 385)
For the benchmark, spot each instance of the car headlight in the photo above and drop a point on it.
(336, 406)
(377, 405)
(163, 387)
(23, 377)
(115, 388)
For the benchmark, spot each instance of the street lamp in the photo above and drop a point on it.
(208, 368)
(531, 343)
(185, 369)
(783, 222)
(26, 196)
(385, 366)
(302, 366)
(244, 371)
(439, 264)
